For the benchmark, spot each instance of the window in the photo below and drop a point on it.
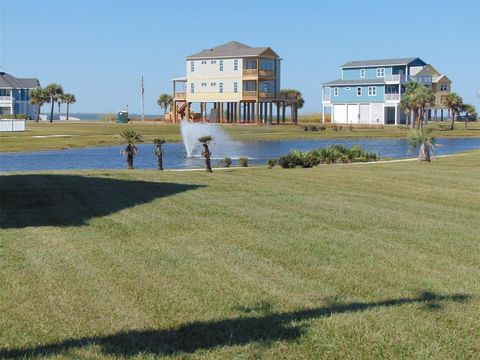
(213, 62)
(372, 91)
(359, 91)
(235, 87)
(443, 87)
(221, 65)
(335, 91)
(220, 88)
(235, 65)
(362, 73)
(213, 84)
(204, 62)
(380, 72)
(347, 88)
(192, 66)
(192, 88)
(204, 84)
(265, 87)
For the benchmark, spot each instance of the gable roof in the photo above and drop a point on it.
(9, 81)
(428, 70)
(366, 63)
(232, 49)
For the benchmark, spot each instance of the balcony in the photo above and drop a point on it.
(250, 72)
(180, 95)
(395, 79)
(258, 73)
(6, 99)
(392, 97)
(249, 95)
(266, 73)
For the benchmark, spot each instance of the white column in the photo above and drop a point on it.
(396, 114)
(323, 113)
(331, 114)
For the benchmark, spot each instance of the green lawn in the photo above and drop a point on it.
(338, 262)
(69, 134)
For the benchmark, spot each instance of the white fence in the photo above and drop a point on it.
(12, 125)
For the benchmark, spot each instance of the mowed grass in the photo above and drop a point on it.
(72, 134)
(338, 262)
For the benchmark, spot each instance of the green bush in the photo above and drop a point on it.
(289, 161)
(15, 116)
(226, 162)
(334, 127)
(322, 127)
(312, 128)
(271, 163)
(243, 161)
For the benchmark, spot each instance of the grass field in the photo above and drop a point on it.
(337, 262)
(70, 134)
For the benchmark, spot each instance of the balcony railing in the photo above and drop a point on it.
(396, 78)
(266, 73)
(250, 72)
(392, 97)
(249, 95)
(6, 98)
(180, 95)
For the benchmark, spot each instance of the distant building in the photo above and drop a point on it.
(370, 91)
(14, 93)
(240, 83)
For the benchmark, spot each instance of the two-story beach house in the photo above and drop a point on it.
(232, 82)
(370, 91)
(14, 97)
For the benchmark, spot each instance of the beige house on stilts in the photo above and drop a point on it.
(231, 83)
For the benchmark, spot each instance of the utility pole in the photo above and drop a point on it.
(142, 90)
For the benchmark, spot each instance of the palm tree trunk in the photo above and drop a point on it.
(424, 153)
(466, 120)
(58, 110)
(452, 125)
(38, 114)
(130, 161)
(68, 106)
(51, 110)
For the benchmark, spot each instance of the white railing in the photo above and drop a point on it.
(5, 98)
(398, 78)
(12, 125)
(392, 97)
(326, 97)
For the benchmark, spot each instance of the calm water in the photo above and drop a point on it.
(110, 157)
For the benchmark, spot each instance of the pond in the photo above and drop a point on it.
(110, 157)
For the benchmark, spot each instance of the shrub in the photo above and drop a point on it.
(322, 127)
(271, 163)
(15, 116)
(334, 127)
(243, 161)
(312, 128)
(289, 161)
(305, 128)
(226, 162)
(350, 127)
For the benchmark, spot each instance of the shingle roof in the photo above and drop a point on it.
(399, 61)
(230, 49)
(9, 81)
(356, 82)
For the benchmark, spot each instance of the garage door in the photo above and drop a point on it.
(340, 113)
(353, 114)
(377, 114)
(364, 113)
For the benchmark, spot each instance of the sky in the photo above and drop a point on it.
(98, 50)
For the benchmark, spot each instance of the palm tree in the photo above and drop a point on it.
(454, 103)
(424, 141)
(37, 97)
(296, 105)
(469, 110)
(205, 140)
(130, 138)
(159, 152)
(409, 101)
(164, 101)
(69, 99)
(52, 91)
(424, 97)
(60, 98)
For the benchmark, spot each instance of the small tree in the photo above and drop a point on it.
(423, 141)
(164, 101)
(69, 99)
(130, 138)
(424, 97)
(205, 141)
(454, 103)
(295, 105)
(469, 111)
(159, 152)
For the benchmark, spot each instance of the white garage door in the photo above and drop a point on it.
(377, 114)
(364, 113)
(340, 113)
(353, 114)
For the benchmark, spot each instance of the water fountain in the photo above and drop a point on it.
(221, 146)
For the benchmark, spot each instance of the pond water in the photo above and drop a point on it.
(110, 157)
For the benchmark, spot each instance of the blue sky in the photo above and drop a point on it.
(98, 50)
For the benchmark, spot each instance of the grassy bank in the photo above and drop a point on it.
(333, 262)
(70, 134)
